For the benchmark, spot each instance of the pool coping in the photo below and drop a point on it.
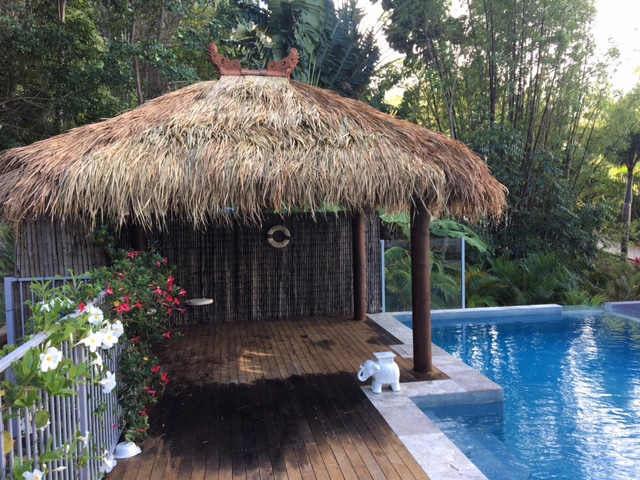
(437, 455)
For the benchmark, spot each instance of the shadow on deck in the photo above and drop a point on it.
(277, 399)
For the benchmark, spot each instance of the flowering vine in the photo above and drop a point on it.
(139, 294)
(46, 367)
(141, 290)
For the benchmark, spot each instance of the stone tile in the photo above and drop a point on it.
(437, 455)
(410, 421)
(387, 399)
(436, 387)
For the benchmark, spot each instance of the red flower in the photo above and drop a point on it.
(158, 291)
(176, 301)
(143, 412)
(109, 290)
(152, 393)
(135, 339)
(167, 335)
(137, 304)
(182, 292)
(165, 378)
(182, 310)
(170, 311)
(155, 369)
(165, 260)
(82, 307)
(147, 388)
(170, 280)
(122, 308)
(169, 298)
(158, 264)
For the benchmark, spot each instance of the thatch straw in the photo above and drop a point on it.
(253, 144)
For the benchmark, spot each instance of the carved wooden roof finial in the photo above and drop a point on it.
(224, 66)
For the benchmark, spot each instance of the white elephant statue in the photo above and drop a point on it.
(384, 370)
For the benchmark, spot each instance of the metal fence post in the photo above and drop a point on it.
(9, 309)
(384, 286)
(83, 411)
(464, 272)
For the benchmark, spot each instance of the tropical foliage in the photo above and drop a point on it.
(499, 281)
(519, 82)
(140, 289)
(334, 52)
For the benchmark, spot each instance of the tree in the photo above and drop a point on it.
(105, 57)
(619, 141)
(51, 73)
(334, 53)
(630, 156)
(518, 82)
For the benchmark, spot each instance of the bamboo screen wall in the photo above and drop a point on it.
(46, 249)
(248, 279)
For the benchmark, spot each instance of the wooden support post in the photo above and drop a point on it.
(421, 287)
(137, 237)
(359, 267)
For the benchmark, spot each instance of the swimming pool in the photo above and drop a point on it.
(572, 397)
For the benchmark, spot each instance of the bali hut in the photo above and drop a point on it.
(261, 188)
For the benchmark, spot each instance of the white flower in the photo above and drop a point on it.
(85, 438)
(44, 307)
(97, 361)
(108, 462)
(35, 475)
(95, 315)
(93, 341)
(108, 382)
(108, 339)
(51, 359)
(118, 328)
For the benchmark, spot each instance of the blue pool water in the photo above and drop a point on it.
(572, 397)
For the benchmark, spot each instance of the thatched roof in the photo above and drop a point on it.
(252, 144)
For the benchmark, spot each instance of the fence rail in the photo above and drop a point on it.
(89, 411)
(17, 291)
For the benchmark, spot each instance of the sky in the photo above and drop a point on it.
(616, 20)
(620, 21)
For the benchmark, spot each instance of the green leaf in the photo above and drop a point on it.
(42, 418)
(452, 229)
(20, 468)
(28, 400)
(8, 441)
(27, 363)
(52, 456)
(67, 392)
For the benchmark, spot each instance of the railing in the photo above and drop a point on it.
(89, 411)
(16, 292)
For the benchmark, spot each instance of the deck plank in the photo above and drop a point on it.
(271, 400)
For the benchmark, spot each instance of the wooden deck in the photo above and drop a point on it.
(277, 399)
